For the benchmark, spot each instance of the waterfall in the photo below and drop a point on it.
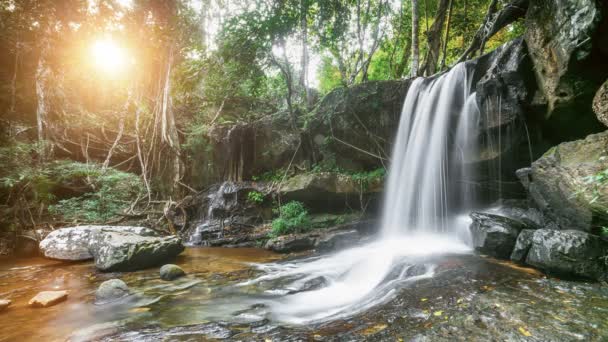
(429, 173)
(426, 194)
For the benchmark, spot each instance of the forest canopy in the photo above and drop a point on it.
(135, 85)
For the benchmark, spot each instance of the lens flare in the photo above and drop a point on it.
(109, 57)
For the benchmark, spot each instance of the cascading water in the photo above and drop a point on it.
(427, 188)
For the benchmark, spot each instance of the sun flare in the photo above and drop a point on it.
(108, 56)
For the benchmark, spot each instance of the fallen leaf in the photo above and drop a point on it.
(423, 299)
(524, 332)
(437, 313)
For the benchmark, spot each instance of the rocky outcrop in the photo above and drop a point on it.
(329, 191)
(114, 248)
(494, 235)
(565, 43)
(569, 253)
(73, 243)
(354, 127)
(322, 240)
(600, 104)
(111, 290)
(171, 272)
(120, 251)
(48, 298)
(559, 183)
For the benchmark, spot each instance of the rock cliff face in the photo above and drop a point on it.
(567, 43)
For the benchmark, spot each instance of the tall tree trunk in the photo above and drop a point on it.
(42, 111)
(433, 36)
(305, 58)
(14, 79)
(447, 35)
(169, 134)
(415, 45)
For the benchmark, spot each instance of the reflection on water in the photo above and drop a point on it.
(250, 294)
(22, 279)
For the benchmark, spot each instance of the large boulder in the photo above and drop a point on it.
(122, 251)
(569, 253)
(494, 235)
(565, 43)
(562, 186)
(72, 243)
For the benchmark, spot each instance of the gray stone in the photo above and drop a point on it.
(111, 290)
(291, 243)
(337, 240)
(600, 104)
(48, 298)
(522, 245)
(569, 253)
(4, 304)
(121, 251)
(494, 235)
(558, 183)
(170, 272)
(73, 243)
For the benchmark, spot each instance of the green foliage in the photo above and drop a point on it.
(72, 190)
(255, 197)
(111, 192)
(293, 218)
(270, 176)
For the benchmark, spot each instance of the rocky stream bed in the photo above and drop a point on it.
(470, 298)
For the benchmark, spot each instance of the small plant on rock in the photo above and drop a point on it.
(293, 218)
(255, 197)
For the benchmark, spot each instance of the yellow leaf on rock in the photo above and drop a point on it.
(437, 313)
(423, 299)
(524, 332)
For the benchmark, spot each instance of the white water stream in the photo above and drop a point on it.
(425, 193)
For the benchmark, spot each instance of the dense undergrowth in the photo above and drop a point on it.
(35, 191)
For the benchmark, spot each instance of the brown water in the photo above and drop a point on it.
(469, 299)
(22, 279)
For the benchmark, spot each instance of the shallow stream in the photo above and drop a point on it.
(467, 298)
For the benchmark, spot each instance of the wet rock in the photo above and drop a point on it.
(4, 304)
(522, 245)
(111, 290)
(562, 37)
(365, 116)
(48, 298)
(122, 251)
(494, 235)
(170, 272)
(569, 253)
(558, 183)
(337, 240)
(291, 243)
(600, 104)
(73, 243)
